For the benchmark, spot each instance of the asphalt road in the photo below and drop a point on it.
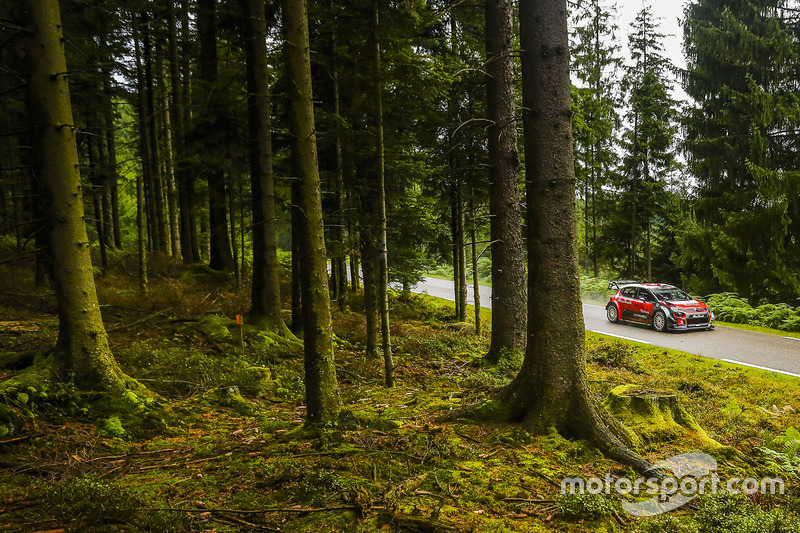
(759, 350)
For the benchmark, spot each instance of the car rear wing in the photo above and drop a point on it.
(617, 285)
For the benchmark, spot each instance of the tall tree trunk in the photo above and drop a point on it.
(382, 271)
(476, 288)
(266, 289)
(156, 199)
(322, 388)
(111, 143)
(340, 259)
(82, 350)
(169, 157)
(297, 234)
(461, 251)
(145, 145)
(185, 182)
(509, 311)
(95, 179)
(221, 257)
(550, 390)
(355, 281)
(368, 269)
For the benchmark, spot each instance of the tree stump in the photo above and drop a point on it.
(654, 416)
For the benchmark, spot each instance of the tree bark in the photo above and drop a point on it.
(221, 257)
(476, 288)
(297, 234)
(156, 199)
(185, 182)
(169, 155)
(322, 388)
(370, 290)
(382, 273)
(509, 312)
(82, 353)
(550, 390)
(266, 290)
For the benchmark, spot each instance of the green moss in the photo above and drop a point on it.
(654, 416)
(216, 328)
(231, 398)
(113, 426)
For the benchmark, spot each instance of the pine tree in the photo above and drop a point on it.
(82, 353)
(742, 130)
(649, 144)
(508, 270)
(595, 62)
(550, 390)
(322, 389)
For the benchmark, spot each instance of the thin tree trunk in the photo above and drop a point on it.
(221, 257)
(322, 389)
(95, 179)
(354, 272)
(185, 182)
(476, 288)
(144, 129)
(340, 261)
(370, 291)
(382, 271)
(297, 233)
(509, 301)
(550, 390)
(156, 182)
(169, 159)
(266, 290)
(82, 352)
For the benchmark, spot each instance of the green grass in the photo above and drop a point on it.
(759, 329)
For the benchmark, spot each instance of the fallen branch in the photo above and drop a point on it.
(135, 323)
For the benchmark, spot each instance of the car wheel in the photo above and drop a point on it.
(659, 321)
(612, 313)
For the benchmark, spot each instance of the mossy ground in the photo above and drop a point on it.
(229, 436)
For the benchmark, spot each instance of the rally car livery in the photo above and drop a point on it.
(662, 306)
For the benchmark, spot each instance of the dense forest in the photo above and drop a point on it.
(214, 215)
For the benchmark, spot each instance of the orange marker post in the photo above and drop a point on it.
(241, 331)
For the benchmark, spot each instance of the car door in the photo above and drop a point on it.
(646, 304)
(627, 303)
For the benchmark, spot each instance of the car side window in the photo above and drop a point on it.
(645, 296)
(629, 292)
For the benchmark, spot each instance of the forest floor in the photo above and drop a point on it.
(227, 450)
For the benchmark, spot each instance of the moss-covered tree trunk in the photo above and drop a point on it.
(266, 290)
(508, 254)
(82, 354)
(550, 390)
(322, 388)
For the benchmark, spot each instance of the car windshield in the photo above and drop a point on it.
(672, 295)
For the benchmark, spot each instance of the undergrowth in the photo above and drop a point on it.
(230, 451)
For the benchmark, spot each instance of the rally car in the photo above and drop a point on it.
(662, 306)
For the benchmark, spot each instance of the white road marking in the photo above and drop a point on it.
(619, 336)
(762, 368)
(793, 338)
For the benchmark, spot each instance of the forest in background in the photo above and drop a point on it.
(699, 193)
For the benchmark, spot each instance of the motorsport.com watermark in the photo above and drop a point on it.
(694, 475)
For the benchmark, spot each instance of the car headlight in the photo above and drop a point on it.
(678, 314)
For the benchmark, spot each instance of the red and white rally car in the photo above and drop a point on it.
(662, 306)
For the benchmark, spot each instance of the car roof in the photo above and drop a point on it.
(650, 286)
